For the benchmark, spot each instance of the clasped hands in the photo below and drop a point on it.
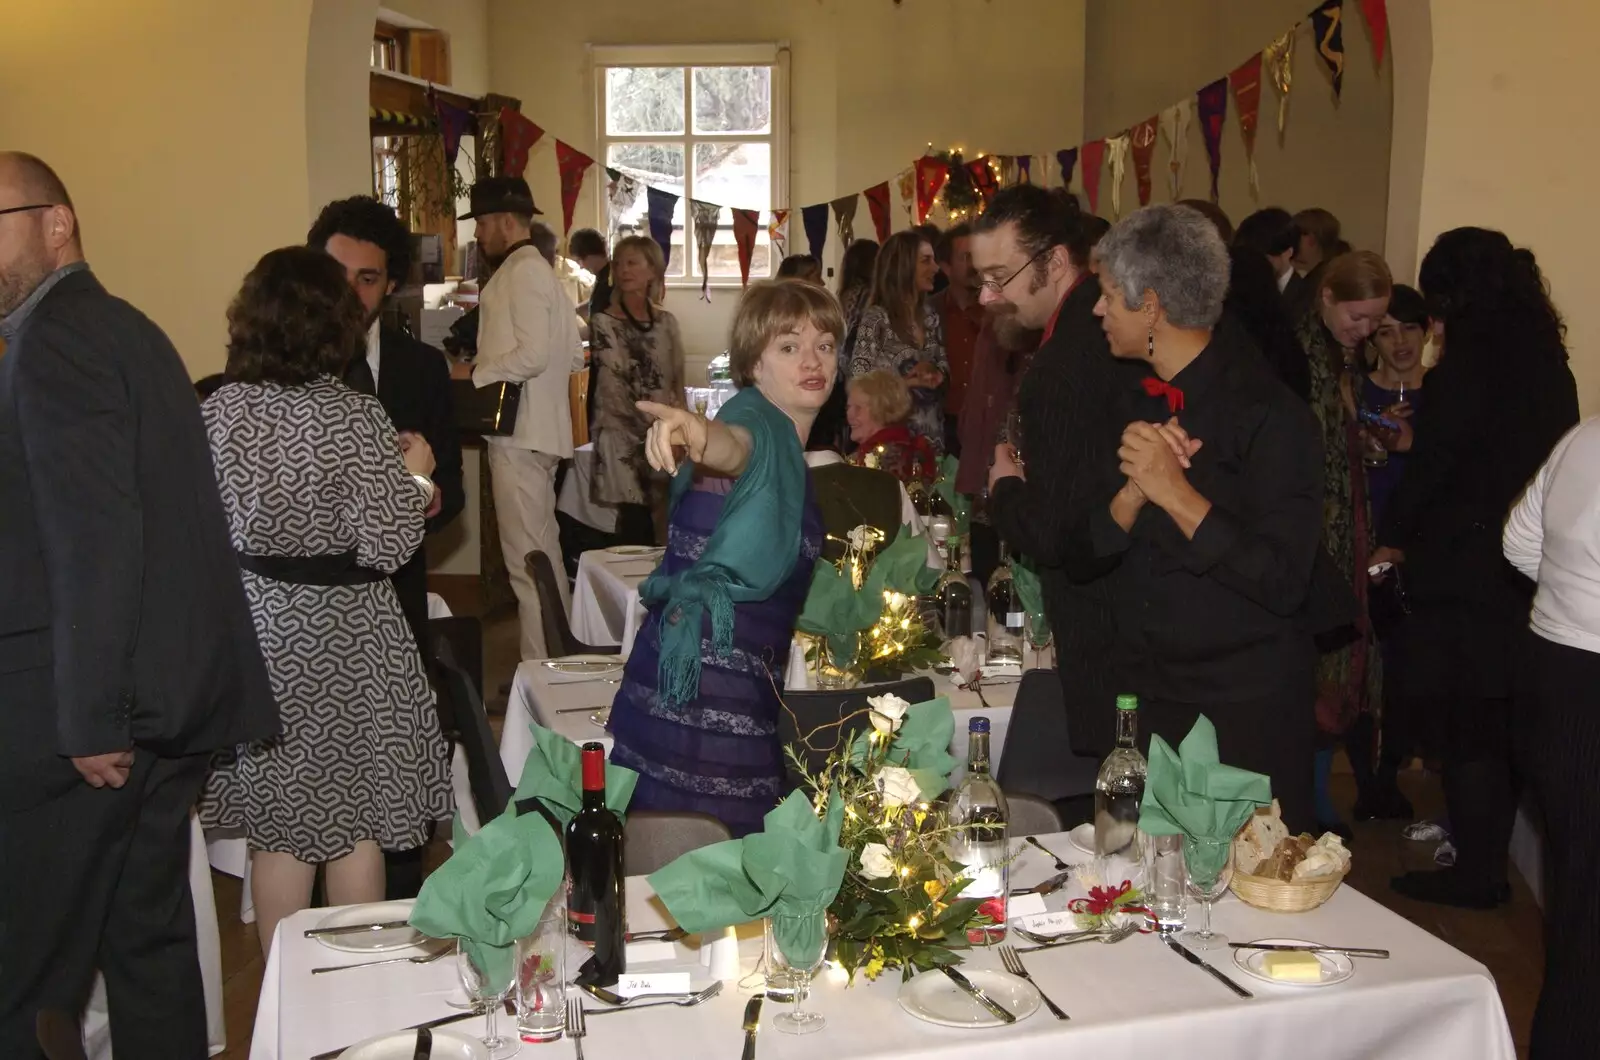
(1154, 457)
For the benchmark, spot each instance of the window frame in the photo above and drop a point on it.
(774, 55)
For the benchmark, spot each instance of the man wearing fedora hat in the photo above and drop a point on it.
(527, 334)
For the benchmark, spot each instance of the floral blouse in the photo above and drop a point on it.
(631, 364)
(878, 347)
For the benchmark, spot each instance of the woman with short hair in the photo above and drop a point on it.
(900, 331)
(876, 409)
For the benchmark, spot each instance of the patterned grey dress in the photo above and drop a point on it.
(879, 348)
(314, 470)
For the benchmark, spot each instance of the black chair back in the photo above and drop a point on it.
(464, 635)
(1037, 758)
(486, 774)
(1031, 815)
(808, 712)
(558, 636)
(653, 839)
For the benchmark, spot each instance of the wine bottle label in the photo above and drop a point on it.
(1016, 619)
(580, 918)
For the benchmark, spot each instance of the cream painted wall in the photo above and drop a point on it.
(1145, 55)
(338, 148)
(184, 150)
(870, 85)
(1510, 146)
(466, 22)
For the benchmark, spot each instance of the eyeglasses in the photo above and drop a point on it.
(24, 209)
(996, 286)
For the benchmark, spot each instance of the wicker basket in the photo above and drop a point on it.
(1276, 896)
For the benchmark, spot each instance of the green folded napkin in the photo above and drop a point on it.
(835, 609)
(960, 503)
(1192, 793)
(1030, 593)
(553, 774)
(921, 745)
(792, 868)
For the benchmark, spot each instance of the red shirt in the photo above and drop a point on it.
(961, 328)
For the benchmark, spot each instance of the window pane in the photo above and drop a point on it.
(644, 99)
(736, 176)
(733, 99)
(660, 165)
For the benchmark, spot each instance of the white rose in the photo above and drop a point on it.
(864, 537)
(887, 712)
(875, 862)
(897, 786)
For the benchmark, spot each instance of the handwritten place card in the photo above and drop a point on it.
(1046, 923)
(1024, 905)
(653, 983)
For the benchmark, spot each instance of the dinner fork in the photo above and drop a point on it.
(1108, 937)
(424, 958)
(1013, 964)
(575, 1028)
(686, 1001)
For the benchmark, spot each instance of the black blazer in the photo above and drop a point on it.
(121, 583)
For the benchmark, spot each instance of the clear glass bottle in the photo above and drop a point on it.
(941, 520)
(1119, 787)
(917, 489)
(953, 595)
(978, 818)
(1007, 623)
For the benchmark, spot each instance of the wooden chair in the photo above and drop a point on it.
(653, 839)
(558, 637)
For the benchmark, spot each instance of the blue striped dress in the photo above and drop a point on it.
(718, 754)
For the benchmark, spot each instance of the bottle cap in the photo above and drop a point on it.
(978, 724)
(1127, 702)
(594, 766)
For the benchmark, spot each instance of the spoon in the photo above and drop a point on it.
(1060, 865)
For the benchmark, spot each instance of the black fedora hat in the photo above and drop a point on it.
(501, 195)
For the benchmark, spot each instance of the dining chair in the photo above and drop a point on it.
(464, 635)
(486, 774)
(1031, 815)
(1038, 759)
(652, 839)
(558, 635)
(804, 714)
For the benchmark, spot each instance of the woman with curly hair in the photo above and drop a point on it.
(876, 409)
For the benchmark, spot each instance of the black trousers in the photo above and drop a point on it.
(1559, 699)
(100, 879)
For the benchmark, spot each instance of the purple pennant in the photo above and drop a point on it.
(1068, 157)
(815, 219)
(662, 203)
(1025, 169)
(1213, 109)
(453, 124)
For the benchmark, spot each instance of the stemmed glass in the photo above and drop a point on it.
(1040, 636)
(1014, 434)
(810, 934)
(1208, 864)
(476, 984)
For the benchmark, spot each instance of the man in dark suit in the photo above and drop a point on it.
(412, 382)
(127, 653)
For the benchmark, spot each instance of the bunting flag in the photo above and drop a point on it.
(844, 214)
(1327, 24)
(622, 194)
(1142, 141)
(908, 190)
(454, 121)
(517, 137)
(1175, 128)
(661, 207)
(1117, 159)
(1213, 106)
(815, 220)
(1246, 84)
(1094, 154)
(745, 225)
(705, 216)
(1377, 12)
(931, 175)
(878, 204)
(572, 164)
(1025, 169)
(983, 178)
(1008, 170)
(778, 233)
(1067, 158)
(1278, 59)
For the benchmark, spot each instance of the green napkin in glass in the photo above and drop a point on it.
(492, 891)
(792, 868)
(1192, 793)
(921, 745)
(1029, 592)
(553, 774)
(960, 503)
(834, 608)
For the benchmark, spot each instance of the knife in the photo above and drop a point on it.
(1348, 951)
(1050, 886)
(1002, 1013)
(511, 1009)
(424, 1049)
(357, 929)
(752, 1024)
(1177, 947)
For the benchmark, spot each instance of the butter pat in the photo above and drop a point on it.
(1292, 967)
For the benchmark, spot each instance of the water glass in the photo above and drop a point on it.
(811, 931)
(1209, 868)
(478, 989)
(542, 975)
(1166, 896)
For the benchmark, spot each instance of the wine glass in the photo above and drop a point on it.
(804, 939)
(1014, 433)
(1208, 864)
(476, 984)
(1040, 636)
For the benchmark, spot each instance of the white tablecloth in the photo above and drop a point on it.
(605, 598)
(1132, 999)
(574, 499)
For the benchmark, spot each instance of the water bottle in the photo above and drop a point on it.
(978, 835)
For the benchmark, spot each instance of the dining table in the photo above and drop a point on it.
(1133, 998)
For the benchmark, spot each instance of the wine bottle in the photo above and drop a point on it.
(1007, 622)
(596, 906)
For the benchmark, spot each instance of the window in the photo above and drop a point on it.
(704, 123)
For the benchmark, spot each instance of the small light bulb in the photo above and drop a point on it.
(914, 923)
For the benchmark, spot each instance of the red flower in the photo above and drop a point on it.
(994, 909)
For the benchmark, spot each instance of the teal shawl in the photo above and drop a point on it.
(752, 551)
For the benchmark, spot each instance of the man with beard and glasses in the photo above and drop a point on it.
(411, 380)
(528, 335)
(1030, 249)
(127, 652)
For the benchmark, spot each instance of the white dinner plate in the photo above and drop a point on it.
(402, 1045)
(932, 996)
(1082, 837)
(634, 550)
(601, 716)
(371, 941)
(585, 665)
(1336, 967)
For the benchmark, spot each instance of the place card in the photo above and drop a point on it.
(1025, 905)
(653, 983)
(1047, 923)
(649, 952)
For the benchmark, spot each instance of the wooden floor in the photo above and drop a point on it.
(1506, 940)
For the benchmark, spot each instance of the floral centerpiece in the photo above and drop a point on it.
(899, 905)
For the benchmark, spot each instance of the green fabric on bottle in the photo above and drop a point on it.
(792, 868)
(835, 609)
(960, 503)
(750, 554)
(1190, 792)
(1029, 591)
(921, 745)
(553, 774)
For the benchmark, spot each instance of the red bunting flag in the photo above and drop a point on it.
(572, 164)
(1327, 28)
(1143, 142)
(745, 225)
(1213, 101)
(1377, 12)
(1246, 84)
(1094, 158)
(878, 203)
(983, 178)
(517, 137)
(931, 175)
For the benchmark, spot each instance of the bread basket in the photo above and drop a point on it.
(1277, 896)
